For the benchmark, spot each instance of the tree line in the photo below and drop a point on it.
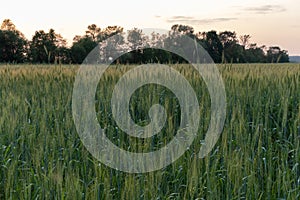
(51, 47)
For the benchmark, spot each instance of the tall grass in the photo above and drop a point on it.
(256, 157)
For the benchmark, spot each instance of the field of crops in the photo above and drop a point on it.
(256, 157)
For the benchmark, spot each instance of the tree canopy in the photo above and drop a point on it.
(51, 47)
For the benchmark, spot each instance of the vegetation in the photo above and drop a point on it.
(223, 47)
(256, 157)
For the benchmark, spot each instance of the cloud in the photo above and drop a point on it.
(192, 20)
(181, 18)
(265, 9)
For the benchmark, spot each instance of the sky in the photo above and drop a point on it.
(269, 22)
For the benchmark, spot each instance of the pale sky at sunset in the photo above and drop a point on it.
(268, 22)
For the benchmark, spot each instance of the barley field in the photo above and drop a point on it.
(256, 157)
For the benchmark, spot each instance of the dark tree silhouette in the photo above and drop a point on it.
(81, 48)
(223, 47)
(13, 45)
(43, 46)
(276, 55)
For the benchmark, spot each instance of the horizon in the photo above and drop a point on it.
(270, 24)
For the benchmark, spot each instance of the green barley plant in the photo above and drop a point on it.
(256, 157)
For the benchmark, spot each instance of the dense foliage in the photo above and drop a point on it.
(223, 47)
